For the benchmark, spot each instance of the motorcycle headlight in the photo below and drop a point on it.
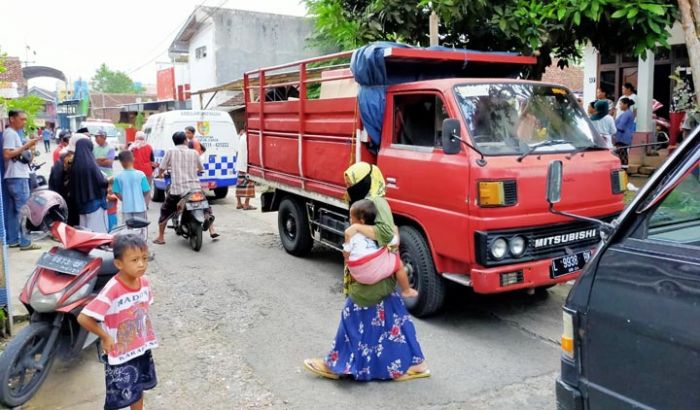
(81, 293)
(499, 247)
(518, 244)
(44, 303)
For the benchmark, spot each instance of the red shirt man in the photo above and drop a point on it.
(143, 155)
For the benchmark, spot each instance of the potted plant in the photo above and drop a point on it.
(682, 104)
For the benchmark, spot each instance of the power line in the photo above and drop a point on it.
(209, 14)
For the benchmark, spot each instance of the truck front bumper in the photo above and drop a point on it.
(568, 397)
(533, 274)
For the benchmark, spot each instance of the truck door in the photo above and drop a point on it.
(641, 340)
(422, 182)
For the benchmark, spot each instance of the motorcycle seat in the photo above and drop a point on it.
(108, 268)
(137, 223)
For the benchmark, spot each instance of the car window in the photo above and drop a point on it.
(677, 217)
(418, 120)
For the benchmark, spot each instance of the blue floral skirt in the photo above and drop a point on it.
(375, 343)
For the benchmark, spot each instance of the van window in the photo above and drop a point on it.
(418, 120)
(677, 218)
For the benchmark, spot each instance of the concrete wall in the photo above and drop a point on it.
(202, 71)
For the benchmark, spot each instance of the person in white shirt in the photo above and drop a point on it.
(603, 122)
(628, 91)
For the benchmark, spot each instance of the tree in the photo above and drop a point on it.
(30, 104)
(113, 81)
(555, 27)
(690, 20)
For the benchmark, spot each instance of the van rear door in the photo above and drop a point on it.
(641, 337)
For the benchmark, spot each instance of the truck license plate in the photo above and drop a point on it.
(570, 263)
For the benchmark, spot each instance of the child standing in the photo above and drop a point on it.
(132, 188)
(369, 264)
(124, 303)
(112, 201)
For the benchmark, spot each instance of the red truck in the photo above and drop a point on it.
(464, 154)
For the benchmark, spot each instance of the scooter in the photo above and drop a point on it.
(43, 207)
(190, 219)
(65, 280)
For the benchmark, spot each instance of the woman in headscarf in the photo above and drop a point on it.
(376, 339)
(89, 188)
(603, 122)
(60, 181)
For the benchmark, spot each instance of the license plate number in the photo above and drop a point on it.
(570, 263)
(64, 261)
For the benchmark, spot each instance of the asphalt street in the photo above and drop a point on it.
(236, 320)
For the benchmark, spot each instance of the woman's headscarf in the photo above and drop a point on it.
(601, 110)
(87, 181)
(365, 180)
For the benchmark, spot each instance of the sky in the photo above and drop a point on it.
(76, 36)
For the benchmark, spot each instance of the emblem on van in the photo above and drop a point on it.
(566, 238)
(203, 128)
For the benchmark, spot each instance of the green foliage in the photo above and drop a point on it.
(139, 121)
(113, 81)
(30, 104)
(3, 56)
(559, 27)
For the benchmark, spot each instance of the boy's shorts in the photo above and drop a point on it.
(127, 382)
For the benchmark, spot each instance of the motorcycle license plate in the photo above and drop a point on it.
(197, 205)
(570, 263)
(64, 261)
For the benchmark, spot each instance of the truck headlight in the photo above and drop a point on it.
(518, 244)
(499, 247)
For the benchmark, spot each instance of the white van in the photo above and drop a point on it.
(214, 130)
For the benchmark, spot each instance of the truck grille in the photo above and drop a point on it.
(510, 192)
(542, 242)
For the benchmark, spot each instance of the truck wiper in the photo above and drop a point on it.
(546, 143)
(581, 149)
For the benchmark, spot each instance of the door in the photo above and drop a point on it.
(641, 337)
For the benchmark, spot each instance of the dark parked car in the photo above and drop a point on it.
(632, 321)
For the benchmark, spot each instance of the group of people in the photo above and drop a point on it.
(615, 123)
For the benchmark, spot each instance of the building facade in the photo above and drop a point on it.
(219, 45)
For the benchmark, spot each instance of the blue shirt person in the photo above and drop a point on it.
(625, 123)
(131, 187)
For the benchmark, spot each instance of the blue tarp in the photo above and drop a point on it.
(374, 74)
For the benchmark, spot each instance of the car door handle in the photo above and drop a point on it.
(391, 183)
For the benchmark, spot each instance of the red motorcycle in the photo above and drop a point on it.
(64, 281)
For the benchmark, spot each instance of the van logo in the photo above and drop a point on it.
(566, 238)
(203, 128)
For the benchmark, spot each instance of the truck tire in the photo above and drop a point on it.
(158, 194)
(220, 193)
(416, 255)
(293, 226)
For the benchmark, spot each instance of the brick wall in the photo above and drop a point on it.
(572, 77)
(13, 74)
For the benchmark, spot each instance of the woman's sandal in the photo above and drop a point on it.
(158, 242)
(318, 367)
(412, 375)
(250, 208)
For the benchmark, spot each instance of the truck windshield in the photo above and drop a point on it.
(509, 119)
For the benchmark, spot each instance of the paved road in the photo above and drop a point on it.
(236, 320)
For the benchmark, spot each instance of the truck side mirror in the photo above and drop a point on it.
(451, 143)
(554, 178)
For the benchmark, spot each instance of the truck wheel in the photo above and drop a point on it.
(220, 193)
(415, 254)
(293, 226)
(158, 194)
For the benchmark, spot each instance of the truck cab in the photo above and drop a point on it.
(463, 145)
(631, 338)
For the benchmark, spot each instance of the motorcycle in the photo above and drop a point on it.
(43, 207)
(191, 219)
(65, 280)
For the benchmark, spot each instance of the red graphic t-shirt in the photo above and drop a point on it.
(124, 313)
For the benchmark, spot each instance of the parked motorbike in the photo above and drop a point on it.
(191, 220)
(65, 280)
(43, 208)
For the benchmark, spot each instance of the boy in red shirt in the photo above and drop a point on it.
(125, 331)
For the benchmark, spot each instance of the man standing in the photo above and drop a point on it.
(192, 141)
(143, 157)
(104, 153)
(184, 165)
(46, 135)
(17, 158)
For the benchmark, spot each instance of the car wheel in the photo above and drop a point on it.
(293, 226)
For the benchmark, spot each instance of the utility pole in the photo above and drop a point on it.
(434, 36)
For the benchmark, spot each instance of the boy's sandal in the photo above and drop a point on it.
(14, 245)
(30, 247)
(215, 236)
(250, 208)
(158, 242)
(412, 375)
(239, 206)
(318, 367)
